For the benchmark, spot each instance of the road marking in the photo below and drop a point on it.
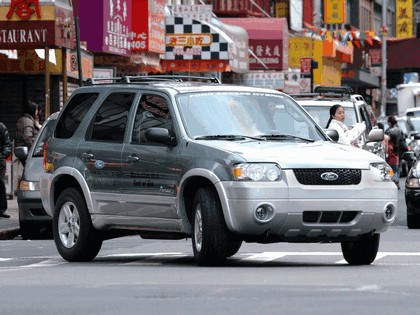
(162, 258)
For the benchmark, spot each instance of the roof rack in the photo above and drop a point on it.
(151, 78)
(343, 90)
(163, 77)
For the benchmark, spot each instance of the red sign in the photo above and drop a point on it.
(24, 9)
(23, 35)
(268, 52)
(148, 34)
(375, 57)
(305, 65)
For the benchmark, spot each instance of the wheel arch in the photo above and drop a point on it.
(191, 182)
(66, 178)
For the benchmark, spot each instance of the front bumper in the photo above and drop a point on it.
(372, 208)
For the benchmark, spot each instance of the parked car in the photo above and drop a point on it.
(177, 157)
(412, 192)
(34, 222)
(357, 110)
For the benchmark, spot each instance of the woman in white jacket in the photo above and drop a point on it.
(346, 135)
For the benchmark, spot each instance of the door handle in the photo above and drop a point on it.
(87, 156)
(132, 158)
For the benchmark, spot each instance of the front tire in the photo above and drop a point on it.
(212, 241)
(362, 251)
(74, 235)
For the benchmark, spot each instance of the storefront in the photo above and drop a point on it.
(29, 31)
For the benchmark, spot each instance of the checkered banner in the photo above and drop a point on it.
(188, 39)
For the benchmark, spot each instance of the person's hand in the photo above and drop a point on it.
(36, 119)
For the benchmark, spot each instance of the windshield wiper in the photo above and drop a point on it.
(280, 136)
(228, 137)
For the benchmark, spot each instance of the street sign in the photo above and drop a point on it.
(305, 65)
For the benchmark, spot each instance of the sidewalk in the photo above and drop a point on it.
(9, 228)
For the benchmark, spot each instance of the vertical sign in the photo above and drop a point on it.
(404, 18)
(334, 12)
(117, 27)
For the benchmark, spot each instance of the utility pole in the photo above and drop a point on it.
(384, 60)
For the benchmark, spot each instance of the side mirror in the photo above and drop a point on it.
(21, 152)
(159, 135)
(332, 133)
(409, 156)
(375, 135)
(416, 136)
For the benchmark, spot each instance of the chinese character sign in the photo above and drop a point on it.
(117, 26)
(24, 9)
(334, 12)
(404, 18)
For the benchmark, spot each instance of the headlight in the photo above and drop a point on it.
(263, 172)
(412, 183)
(382, 171)
(28, 186)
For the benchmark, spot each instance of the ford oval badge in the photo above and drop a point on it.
(330, 176)
(99, 164)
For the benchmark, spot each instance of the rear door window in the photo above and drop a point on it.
(73, 114)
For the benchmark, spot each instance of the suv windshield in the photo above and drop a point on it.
(246, 114)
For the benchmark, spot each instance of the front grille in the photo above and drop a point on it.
(312, 176)
(329, 216)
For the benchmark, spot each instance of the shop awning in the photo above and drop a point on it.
(403, 54)
(268, 39)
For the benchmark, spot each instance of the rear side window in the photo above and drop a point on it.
(111, 119)
(73, 114)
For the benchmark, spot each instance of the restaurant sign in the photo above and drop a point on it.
(26, 24)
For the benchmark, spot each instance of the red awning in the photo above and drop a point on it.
(260, 28)
(403, 54)
(268, 39)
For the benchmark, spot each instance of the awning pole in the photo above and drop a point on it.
(258, 59)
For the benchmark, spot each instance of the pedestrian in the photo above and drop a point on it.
(346, 135)
(400, 146)
(393, 158)
(5, 150)
(27, 127)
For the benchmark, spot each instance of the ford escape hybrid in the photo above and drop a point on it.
(183, 157)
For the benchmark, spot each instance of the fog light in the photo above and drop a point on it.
(264, 213)
(389, 213)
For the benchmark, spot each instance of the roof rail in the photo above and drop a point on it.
(334, 89)
(163, 77)
(92, 81)
(151, 78)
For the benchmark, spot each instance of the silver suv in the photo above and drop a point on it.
(172, 158)
(357, 111)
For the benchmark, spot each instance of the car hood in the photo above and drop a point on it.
(299, 155)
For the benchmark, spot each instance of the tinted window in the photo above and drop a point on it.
(45, 134)
(73, 114)
(152, 112)
(111, 119)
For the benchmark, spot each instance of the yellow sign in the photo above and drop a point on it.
(404, 18)
(334, 12)
(299, 47)
(47, 13)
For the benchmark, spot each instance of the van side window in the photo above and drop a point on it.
(152, 112)
(73, 114)
(111, 118)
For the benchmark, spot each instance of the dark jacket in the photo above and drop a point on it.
(5, 144)
(26, 131)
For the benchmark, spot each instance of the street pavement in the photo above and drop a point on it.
(9, 228)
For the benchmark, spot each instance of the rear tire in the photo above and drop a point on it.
(74, 235)
(362, 251)
(212, 241)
